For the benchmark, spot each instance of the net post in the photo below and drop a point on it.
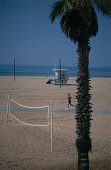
(48, 113)
(51, 110)
(7, 108)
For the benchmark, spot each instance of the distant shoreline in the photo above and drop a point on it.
(39, 70)
(49, 76)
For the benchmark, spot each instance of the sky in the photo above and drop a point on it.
(27, 35)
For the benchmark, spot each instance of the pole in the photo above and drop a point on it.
(51, 108)
(7, 108)
(55, 74)
(60, 71)
(14, 69)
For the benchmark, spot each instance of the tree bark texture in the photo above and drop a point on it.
(83, 107)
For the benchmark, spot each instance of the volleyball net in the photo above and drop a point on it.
(30, 116)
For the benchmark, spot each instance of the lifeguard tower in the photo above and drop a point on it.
(60, 76)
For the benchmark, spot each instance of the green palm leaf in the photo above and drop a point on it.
(59, 9)
(104, 6)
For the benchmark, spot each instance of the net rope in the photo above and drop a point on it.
(27, 107)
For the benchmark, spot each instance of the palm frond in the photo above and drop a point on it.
(103, 6)
(59, 9)
(80, 23)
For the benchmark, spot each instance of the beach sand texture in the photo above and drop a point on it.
(28, 148)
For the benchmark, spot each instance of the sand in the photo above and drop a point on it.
(28, 148)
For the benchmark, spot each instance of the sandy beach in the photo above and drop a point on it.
(28, 148)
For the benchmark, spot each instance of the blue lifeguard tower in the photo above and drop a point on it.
(60, 77)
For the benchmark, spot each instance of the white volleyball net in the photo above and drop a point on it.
(30, 116)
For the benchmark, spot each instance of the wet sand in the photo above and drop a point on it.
(26, 148)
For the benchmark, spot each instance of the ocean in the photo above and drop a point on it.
(39, 70)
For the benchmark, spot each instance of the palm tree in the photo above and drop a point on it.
(78, 21)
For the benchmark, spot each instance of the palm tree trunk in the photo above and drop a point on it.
(83, 107)
(83, 161)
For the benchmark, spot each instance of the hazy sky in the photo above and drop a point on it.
(27, 34)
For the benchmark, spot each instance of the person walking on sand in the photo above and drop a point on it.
(69, 101)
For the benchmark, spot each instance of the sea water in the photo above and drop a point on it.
(39, 70)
